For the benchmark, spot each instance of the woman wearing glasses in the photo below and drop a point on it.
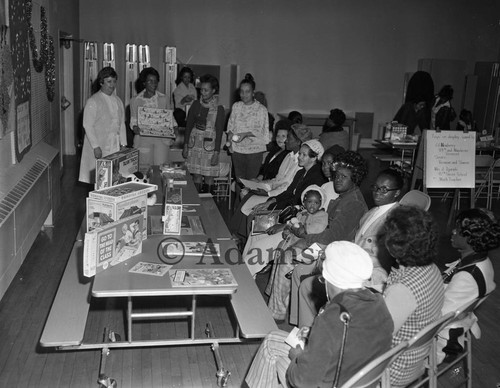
(386, 191)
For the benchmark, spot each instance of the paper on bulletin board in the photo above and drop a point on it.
(450, 159)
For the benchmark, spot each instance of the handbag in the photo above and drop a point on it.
(287, 214)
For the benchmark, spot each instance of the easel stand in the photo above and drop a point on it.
(446, 159)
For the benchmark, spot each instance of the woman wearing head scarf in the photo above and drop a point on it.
(314, 361)
(276, 185)
(104, 124)
(256, 251)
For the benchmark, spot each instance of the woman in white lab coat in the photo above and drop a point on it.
(104, 124)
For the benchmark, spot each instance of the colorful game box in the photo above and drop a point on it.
(113, 169)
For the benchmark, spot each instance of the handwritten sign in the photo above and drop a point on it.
(450, 159)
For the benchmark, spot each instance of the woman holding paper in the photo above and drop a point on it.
(202, 140)
(104, 124)
(152, 150)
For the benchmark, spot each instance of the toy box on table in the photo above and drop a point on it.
(117, 202)
(112, 244)
(113, 169)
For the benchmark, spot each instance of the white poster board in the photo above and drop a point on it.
(450, 159)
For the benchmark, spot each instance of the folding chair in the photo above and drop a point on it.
(494, 182)
(223, 181)
(426, 338)
(484, 165)
(417, 199)
(374, 370)
(463, 312)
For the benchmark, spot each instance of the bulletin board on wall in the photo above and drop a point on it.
(30, 122)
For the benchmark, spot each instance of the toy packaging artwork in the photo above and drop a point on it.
(112, 244)
(156, 122)
(117, 202)
(115, 168)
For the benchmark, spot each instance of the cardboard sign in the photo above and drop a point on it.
(450, 159)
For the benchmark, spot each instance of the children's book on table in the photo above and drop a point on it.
(174, 248)
(207, 277)
(112, 244)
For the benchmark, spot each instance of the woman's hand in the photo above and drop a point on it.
(263, 206)
(239, 137)
(286, 232)
(136, 130)
(98, 153)
(293, 353)
(299, 231)
(187, 99)
(185, 151)
(215, 159)
(275, 229)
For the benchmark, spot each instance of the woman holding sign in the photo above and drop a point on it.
(202, 140)
(152, 150)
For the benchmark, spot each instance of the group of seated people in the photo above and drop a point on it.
(335, 256)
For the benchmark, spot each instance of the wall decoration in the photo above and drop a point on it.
(6, 82)
(19, 40)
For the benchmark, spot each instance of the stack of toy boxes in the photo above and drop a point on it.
(113, 169)
(117, 202)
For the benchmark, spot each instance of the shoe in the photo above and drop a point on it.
(266, 269)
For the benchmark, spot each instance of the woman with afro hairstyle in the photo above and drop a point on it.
(476, 233)
(414, 294)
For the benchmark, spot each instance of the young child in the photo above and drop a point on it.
(312, 219)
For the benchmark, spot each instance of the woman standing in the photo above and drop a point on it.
(184, 94)
(104, 124)
(152, 150)
(204, 127)
(248, 131)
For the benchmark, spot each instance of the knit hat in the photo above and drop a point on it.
(319, 190)
(347, 265)
(302, 132)
(316, 146)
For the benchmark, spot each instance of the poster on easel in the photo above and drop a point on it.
(449, 159)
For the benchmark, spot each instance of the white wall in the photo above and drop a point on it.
(308, 55)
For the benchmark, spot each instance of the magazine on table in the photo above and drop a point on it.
(154, 269)
(192, 225)
(202, 277)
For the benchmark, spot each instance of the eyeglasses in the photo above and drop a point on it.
(381, 190)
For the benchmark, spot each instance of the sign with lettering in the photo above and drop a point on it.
(450, 159)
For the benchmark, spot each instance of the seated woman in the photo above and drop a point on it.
(370, 328)
(476, 232)
(386, 191)
(414, 294)
(442, 113)
(258, 248)
(333, 131)
(238, 225)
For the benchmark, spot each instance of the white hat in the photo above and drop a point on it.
(319, 190)
(315, 146)
(347, 265)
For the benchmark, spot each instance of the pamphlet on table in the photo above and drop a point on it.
(202, 277)
(154, 269)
